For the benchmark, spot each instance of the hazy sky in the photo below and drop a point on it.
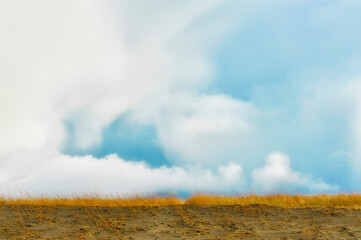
(182, 96)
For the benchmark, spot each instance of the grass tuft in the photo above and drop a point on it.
(93, 199)
(110, 200)
(280, 200)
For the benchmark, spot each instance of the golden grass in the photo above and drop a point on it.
(282, 200)
(93, 199)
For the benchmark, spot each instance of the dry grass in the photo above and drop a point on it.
(281, 200)
(96, 216)
(93, 199)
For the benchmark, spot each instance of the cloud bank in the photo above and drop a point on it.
(89, 62)
(72, 60)
(78, 61)
(56, 173)
(52, 173)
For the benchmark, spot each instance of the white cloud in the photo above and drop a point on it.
(72, 59)
(54, 57)
(89, 61)
(194, 128)
(56, 173)
(277, 175)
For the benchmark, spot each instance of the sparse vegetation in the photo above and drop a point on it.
(166, 216)
(93, 199)
(281, 200)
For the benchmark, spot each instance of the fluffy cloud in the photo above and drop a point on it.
(57, 173)
(277, 175)
(83, 62)
(73, 60)
(194, 128)
(87, 62)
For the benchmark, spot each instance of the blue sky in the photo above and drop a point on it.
(165, 95)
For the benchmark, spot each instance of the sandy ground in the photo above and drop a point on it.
(178, 222)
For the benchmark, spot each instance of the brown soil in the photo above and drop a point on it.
(178, 222)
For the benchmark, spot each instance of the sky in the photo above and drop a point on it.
(138, 96)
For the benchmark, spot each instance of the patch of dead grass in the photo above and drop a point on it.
(352, 201)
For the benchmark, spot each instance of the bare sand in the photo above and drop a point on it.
(178, 222)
